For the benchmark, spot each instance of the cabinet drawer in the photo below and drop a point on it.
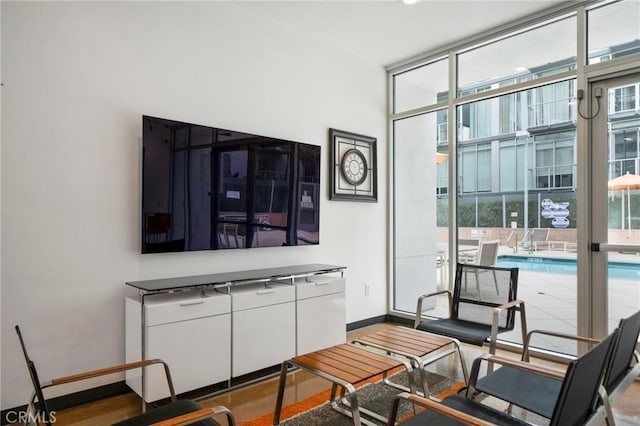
(168, 308)
(319, 286)
(252, 296)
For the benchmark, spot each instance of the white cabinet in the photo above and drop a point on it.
(320, 313)
(244, 326)
(263, 326)
(189, 331)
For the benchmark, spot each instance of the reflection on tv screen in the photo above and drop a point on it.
(206, 188)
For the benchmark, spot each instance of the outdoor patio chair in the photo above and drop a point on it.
(468, 249)
(513, 385)
(174, 413)
(482, 314)
(573, 405)
(487, 256)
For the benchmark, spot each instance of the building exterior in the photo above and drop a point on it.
(522, 145)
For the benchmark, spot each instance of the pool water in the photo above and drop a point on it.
(628, 271)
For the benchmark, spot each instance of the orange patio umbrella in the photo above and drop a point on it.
(628, 181)
(440, 157)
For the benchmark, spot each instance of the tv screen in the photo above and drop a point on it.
(206, 188)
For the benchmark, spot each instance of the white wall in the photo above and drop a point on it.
(77, 78)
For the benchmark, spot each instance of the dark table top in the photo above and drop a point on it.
(223, 278)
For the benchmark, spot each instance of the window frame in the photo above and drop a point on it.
(583, 74)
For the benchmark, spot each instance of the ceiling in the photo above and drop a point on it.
(387, 31)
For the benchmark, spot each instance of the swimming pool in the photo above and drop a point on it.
(621, 270)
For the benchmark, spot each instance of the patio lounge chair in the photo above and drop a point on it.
(535, 239)
(573, 405)
(174, 413)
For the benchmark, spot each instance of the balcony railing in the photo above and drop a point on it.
(442, 184)
(560, 176)
(554, 177)
(624, 166)
(553, 112)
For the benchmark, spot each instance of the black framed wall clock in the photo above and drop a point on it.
(354, 174)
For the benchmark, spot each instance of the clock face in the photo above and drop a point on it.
(354, 167)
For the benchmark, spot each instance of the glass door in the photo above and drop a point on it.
(615, 226)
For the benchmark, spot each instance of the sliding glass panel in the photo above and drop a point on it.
(623, 200)
(613, 31)
(420, 209)
(422, 86)
(539, 52)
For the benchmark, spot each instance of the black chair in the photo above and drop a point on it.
(618, 375)
(479, 312)
(621, 372)
(514, 385)
(174, 413)
(573, 405)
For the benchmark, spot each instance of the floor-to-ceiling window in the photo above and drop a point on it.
(508, 140)
(420, 181)
(505, 181)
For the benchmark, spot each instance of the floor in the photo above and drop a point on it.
(252, 401)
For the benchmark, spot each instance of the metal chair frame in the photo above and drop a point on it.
(514, 305)
(39, 387)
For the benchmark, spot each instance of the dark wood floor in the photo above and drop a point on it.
(258, 399)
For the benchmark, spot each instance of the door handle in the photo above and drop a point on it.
(197, 302)
(627, 248)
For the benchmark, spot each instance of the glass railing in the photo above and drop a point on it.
(553, 112)
(554, 177)
(621, 167)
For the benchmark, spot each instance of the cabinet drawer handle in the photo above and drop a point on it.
(323, 283)
(197, 302)
(265, 291)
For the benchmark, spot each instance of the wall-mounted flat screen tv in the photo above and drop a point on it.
(206, 188)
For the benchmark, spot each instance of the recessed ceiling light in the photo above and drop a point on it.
(521, 69)
(410, 1)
